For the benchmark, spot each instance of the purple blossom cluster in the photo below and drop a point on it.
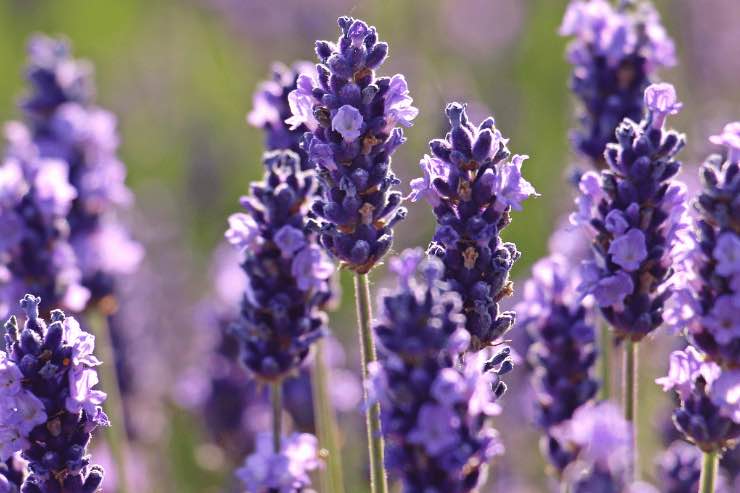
(600, 439)
(287, 272)
(435, 410)
(49, 404)
(35, 250)
(286, 471)
(271, 109)
(353, 117)
(636, 213)
(709, 411)
(679, 469)
(563, 352)
(472, 182)
(232, 403)
(615, 53)
(66, 125)
(707, 300)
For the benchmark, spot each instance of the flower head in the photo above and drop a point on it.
(50, 414)
(661, 101)
(730, 138)
(637, 216)
(473, 183)
(352, 118)
(615, 53)
(287, 273)
(433, 410)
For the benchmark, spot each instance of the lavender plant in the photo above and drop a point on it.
(50, 407)
(67, 125)
(285, 470)
(11, 475)
(600, 439)
(35, 252)
(287, 278)
(709, 412)
(615, 54)
(270, 110)
(562, 353)
(472, 182)
(434, 412)
(287, 273)
(353, 119)
(705, 304)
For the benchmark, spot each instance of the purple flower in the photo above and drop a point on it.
(615, 54)
(727, 254)
(433, 409)
(289, 240)
(637, 216)
(271, 108)
(661, 101)
(243, 231)
(628, 250)
(707, 303)
(287, 273)
(348, 122)
(730, 138)
(473, 185)
(562, 353)
(50, 416)
(351, 116)
(88, 182)
(709, 410)
(287, 471)
(311, 268)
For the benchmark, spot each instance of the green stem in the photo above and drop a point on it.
(378, 480)
(630, 399)
(605, 343)
(708, 472)
(115, 434)
(276, 397)
(332, 480)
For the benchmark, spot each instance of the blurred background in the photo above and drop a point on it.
(180, 76)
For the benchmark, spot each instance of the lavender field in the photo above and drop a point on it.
(285, 246)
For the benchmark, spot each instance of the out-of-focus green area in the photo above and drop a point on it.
(180, 75)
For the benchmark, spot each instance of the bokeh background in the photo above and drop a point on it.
(180, 75)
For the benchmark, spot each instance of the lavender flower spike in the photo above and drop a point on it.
(49, 404)
(353, 119)
(271, 109)
(615, 54)
(434, 412)
(287, 471)
(287, 272)
(473, 182)
(66, 124)
(709, 413)
(636, 213)
(707, 303)
(601, 439)
(563, 352)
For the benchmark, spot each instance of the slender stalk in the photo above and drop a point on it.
(708, 472)
(378, 480)
(331, 478)
(276, 397)
(630, 399)
(605, 343)
(115, 434)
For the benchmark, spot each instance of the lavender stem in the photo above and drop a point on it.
(378, 480)
(276, 398)
(630, 400)
(115, 434)
(326, 424)
(708, 471)
(605, 343)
